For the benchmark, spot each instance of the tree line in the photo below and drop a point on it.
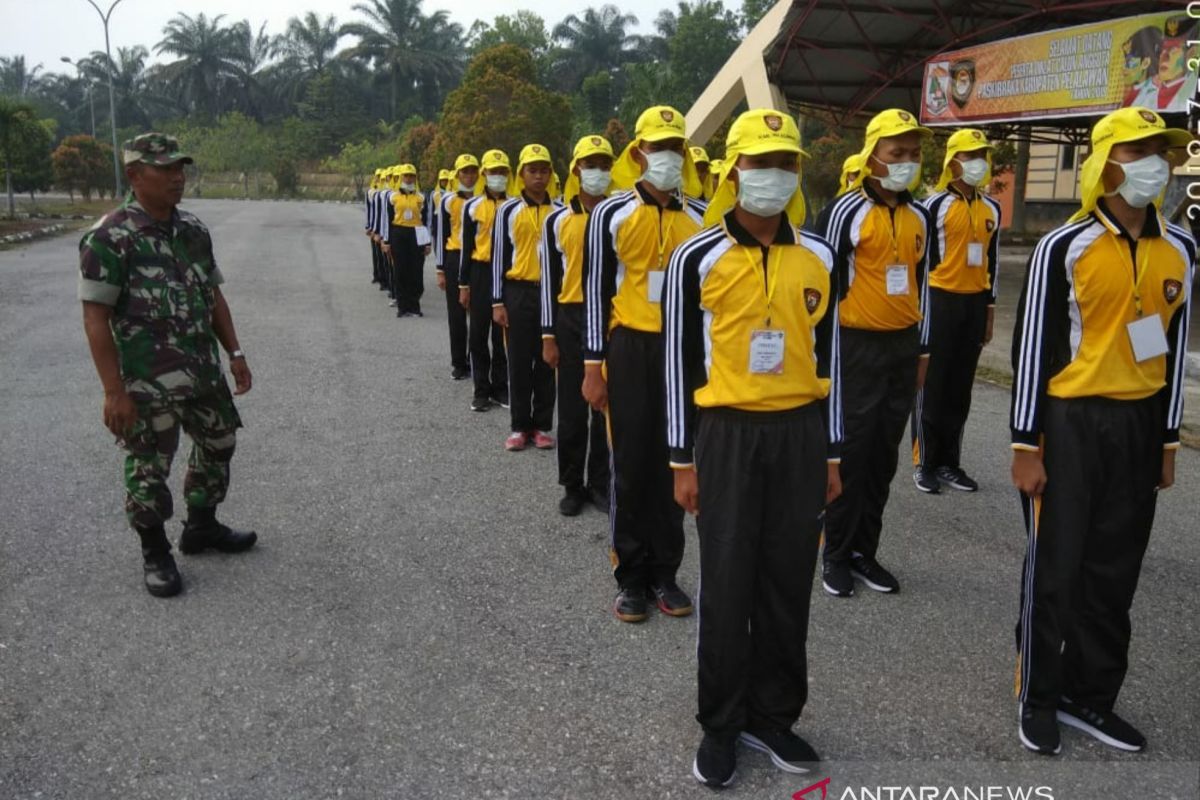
(329, 91)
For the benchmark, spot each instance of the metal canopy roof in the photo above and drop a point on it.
(855, 57)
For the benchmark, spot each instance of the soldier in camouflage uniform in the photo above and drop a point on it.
(154, 314)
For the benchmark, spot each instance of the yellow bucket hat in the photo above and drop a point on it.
(700, 155)
(884, 125)
(758, 131)
(656, 124)
(1125, 125)
(445, 174)
(585, 147)
(535, 154)
(964, 141)
(463, 161)
(408, 169)
(490, 160)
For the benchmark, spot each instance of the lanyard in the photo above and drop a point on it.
(770, 268)
(971, 216)
(892, 233)
(663, 236)
(1138, 271)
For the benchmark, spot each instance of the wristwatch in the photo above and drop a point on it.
(236, 354)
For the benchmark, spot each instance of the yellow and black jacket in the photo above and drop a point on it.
(562, 261)
(1071, 338)
(867, 237)
(478, 216)
(629, 236)
(954, 218)
(407, 208)
(449, 236)
(721, 286)
(516, 240)
(433, 205)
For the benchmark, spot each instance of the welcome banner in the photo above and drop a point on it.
(1149, 60)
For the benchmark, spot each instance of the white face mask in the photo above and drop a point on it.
(462, 187)
(974, 171)
(408, 188)
(1144, 180)
(900, 176)
(595, 181)
(664, 170)
(497, 183)
(766, 192)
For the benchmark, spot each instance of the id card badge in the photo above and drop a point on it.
(766, 352)
(654, 286)
(1147, 337)
(897, 279)
(408, 215)
(975, 254)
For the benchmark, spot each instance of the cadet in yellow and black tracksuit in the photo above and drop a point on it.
(408, 257)
(1097, 400)
(369, 229)
(582, 438)
(964, 254)
(516, 298)
(448, 252)
(752, 379)
(881, 241)
(382, 220)
(630, 238)
(489, 360)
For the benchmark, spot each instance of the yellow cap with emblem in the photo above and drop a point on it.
(754, 133)
(1124, 125)
(656, 124)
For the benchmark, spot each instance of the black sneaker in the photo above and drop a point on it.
(221, 538)
(161, 575)
(460, 373)
(571, 504)
(501, 398)
(1039, 730)
(872, 573)
(716, 760)
(481, 404)
(955, 478)
(672, 600)
(631, 605)
(926, 482)
(787, 750)
(836, 578)
(599, 498)
(1103, 726)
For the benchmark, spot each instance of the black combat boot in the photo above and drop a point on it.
(203, 531)
(162, 576)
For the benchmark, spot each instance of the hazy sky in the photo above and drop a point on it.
(45, 30)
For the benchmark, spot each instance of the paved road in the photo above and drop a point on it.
(418, 622)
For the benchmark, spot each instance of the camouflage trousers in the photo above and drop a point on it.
(211, 421)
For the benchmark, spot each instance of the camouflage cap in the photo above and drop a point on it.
(157, 149)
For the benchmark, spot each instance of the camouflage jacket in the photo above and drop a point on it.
(159, 279)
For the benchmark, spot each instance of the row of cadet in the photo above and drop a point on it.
(769, 372)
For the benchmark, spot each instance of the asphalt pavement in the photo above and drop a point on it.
(417, 621)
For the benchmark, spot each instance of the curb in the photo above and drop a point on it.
(28, 236)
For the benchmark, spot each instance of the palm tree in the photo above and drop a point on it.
(411, 50)
(17, 80)
(129, 81)
(208, 56)
(252, 54)
(310, 42)
(597, 41)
